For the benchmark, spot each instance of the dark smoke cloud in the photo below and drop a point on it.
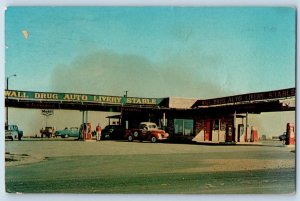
(110, 73)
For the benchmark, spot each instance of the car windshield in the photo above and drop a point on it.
(152, 126)
(149, 126)
(142, 126)
(109, 127)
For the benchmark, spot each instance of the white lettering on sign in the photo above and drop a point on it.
(46, 96)
(16, 94)
(141, 101)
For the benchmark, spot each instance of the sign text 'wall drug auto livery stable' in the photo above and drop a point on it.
(28, 95)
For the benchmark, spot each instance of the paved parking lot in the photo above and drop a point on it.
(70, 166)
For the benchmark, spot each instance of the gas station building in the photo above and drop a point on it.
(218, 120)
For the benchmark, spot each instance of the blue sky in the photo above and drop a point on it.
(196, 52)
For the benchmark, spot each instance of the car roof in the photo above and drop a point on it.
(148, 123)
(112, 126)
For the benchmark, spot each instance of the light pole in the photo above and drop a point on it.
(7, 78)
(123, 102)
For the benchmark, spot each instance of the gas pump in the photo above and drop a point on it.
(290, 134)
(86, 131)
(229, 132)
(89, 131)
(254, 134)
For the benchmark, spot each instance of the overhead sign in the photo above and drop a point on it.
(278, 94)
(49, 96)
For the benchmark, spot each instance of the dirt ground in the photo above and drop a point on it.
(134, 167)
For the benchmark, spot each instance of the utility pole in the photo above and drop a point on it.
(124, 101)
(7, 78)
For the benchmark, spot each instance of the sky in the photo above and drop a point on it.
(191, 52)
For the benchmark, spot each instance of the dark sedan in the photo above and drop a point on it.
(282, 137)
(112, 132)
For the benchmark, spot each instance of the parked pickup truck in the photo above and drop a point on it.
(12, 132)
(146, 131)
(47, 131)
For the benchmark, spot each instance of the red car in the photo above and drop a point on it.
(147, 131)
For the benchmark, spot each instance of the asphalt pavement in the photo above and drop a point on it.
(114, 167)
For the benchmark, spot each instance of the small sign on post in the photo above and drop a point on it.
(47, 112)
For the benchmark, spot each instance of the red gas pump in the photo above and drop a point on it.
(86, 131)
(89, 131)
(290, 134)
(254, 134)
(207, 130)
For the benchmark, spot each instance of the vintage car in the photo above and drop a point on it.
(13, 132)
(147, 131)
(112, 132)
(68, 132)
(282, 137)
(11, 135)
(47, 131)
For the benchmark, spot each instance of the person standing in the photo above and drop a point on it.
(98, 131)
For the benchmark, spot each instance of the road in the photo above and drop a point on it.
(69, 166)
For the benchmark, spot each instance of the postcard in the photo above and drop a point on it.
(150, 100)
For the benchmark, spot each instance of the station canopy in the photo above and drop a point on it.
(279, 100)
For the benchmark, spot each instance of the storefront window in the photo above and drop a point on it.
(183, 126)
(161, 123)
(178, 126)
(216, 124)
(223, 125)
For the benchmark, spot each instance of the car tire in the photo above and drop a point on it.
(153, 139)
(130, 138)
(135, 134)
(19, 138)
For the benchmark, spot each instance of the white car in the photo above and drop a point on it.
(11, 134)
